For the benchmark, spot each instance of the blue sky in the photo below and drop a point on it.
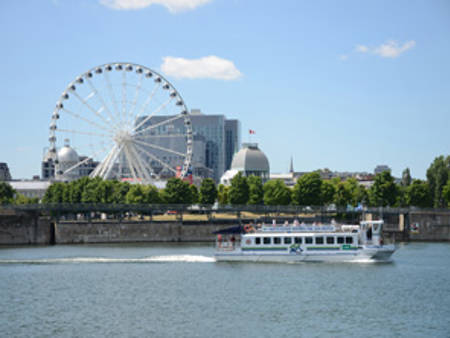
(345, 85)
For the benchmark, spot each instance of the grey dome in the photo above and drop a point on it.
(67, 155)
(250, 158)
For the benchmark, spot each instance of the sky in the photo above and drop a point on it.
(344, 85)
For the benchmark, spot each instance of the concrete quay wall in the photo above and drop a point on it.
(429, 226)
(24, 228)
(122, 232)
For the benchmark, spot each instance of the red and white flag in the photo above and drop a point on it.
(251, 131)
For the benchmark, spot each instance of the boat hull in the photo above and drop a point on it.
(369, 254)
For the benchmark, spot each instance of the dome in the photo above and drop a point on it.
(67, 154)
(250, 158)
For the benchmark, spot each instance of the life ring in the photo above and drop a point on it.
(248, 242)
(247, 228)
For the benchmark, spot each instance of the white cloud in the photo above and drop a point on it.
(174, 6)
(392, 49)
(361, 49)
(389, 49)
(343, 57)
(208, 67)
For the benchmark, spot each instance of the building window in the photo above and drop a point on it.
(308, 240)
(287, 240)
(348, 240)
(298, 240)
(267, 240)
(319, 240)
(340, 240)
(277, 240)
(330, 240)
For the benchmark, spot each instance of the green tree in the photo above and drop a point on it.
(152, 195)
(222, 194)
(54, 193)
(238, 193)
(195, 195)
(406, 177)
(446, 193)
(276, 193)
(418, 194)
(343, 195)
(208, 191)
(136, 194)
(176, 192)
(255, 188)
(308, 190)
(120, 192)
(22, 199)
(6, 193)
(384, 191)
(328, 191)
(92, 192)
(437, 175)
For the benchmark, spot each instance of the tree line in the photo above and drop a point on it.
(310, 189)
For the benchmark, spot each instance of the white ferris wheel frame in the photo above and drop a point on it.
(119, 124)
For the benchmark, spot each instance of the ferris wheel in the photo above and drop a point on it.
(126, 119)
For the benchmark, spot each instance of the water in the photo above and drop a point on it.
(179, 290)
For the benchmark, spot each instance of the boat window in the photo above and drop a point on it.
(287, 240)
(298, 240)
(330, 240)
(308, 240)
(348, 240)
(257, 240)
(277, 240)
(340, 240)
(267, 240)
(319, 240)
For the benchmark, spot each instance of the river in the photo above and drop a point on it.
(178, 290)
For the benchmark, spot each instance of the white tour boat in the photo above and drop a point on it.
(302, 243)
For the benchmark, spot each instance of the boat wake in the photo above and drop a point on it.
(89, 260)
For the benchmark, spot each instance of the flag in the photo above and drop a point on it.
(251, 131)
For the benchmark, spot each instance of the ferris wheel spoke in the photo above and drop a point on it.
(156, 125)
(124, 95)
(130, 163)
(102, 102)
(157, 110)
(159, 148)
(105, 162)
(113, 96)
(143, 168)
(109, 163)
(148, 100)
(92, 109)
(81, 162)
(139, 136)
(83, 133)
(153, 157)
(136, 95)
(85, 119)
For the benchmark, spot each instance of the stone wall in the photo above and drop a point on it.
(430, 226)
(117, 232)
(24, 228)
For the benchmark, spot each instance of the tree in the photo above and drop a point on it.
(256, 193)
(328, 191)
(208, 191)
(194, 194)
(222, 194)
(406, 177)
(176, 192)
(92, 192)
(120, 192)
(383, 192)
(6, 193)
(308, 190)
(136, 194)
(437, 175)
(418, 194)
(54, 193)
(446, 193)
(22, 199)
(343, 195)
(239, 191)
(276, 193)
